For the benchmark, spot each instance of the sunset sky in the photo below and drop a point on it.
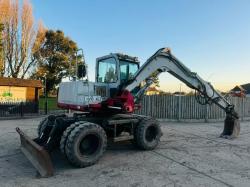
(210, 37)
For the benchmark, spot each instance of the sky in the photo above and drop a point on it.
(211, 37)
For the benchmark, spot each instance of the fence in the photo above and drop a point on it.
(14, 109)
(185, 108)
(180, 108)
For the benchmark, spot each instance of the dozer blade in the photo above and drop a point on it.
(36, 154)
(231, 128)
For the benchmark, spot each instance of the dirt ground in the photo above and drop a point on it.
(190, 154)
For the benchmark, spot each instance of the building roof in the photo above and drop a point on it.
(6, 81)
(152, 89)
(179, 93)
(238, 88)
(246, 87)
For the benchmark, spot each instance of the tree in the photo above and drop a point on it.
(56, 57)
(20, 37)
(155, 78)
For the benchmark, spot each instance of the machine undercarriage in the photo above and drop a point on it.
(65, 132)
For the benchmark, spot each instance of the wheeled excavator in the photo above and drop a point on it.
(104, 110)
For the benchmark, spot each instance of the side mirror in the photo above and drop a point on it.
(81, 71)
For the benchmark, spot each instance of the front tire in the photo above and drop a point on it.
(147, 134)
(41, 126)
(86, 144)
(44, 123)
(66, 134)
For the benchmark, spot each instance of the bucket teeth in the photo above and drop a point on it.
(36, 154)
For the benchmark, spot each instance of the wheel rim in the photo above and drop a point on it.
(151, 133)
(89, 145)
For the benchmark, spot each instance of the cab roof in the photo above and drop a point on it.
(121, 56)
(126, 57)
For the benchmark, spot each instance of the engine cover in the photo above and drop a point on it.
(77, 95)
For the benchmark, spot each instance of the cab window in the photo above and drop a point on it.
(107, 71)
(127, 70)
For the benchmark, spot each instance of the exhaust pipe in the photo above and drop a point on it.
(36, 154)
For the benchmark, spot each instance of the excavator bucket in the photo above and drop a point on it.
(36, 154)
(231, 128)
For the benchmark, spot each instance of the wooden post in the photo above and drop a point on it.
(206, 112)
(179, 107)
(242, 108)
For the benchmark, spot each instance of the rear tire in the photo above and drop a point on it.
(147, 134)
(86, 144)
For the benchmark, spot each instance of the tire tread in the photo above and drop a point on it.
(69, 148)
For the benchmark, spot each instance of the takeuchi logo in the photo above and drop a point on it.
(7, 94)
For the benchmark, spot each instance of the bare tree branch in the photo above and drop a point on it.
(20, 35)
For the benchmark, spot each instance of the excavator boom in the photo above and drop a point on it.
(164, 61)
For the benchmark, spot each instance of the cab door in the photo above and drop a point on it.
(106, 76)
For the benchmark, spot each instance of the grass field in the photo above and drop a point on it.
(52, 103)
